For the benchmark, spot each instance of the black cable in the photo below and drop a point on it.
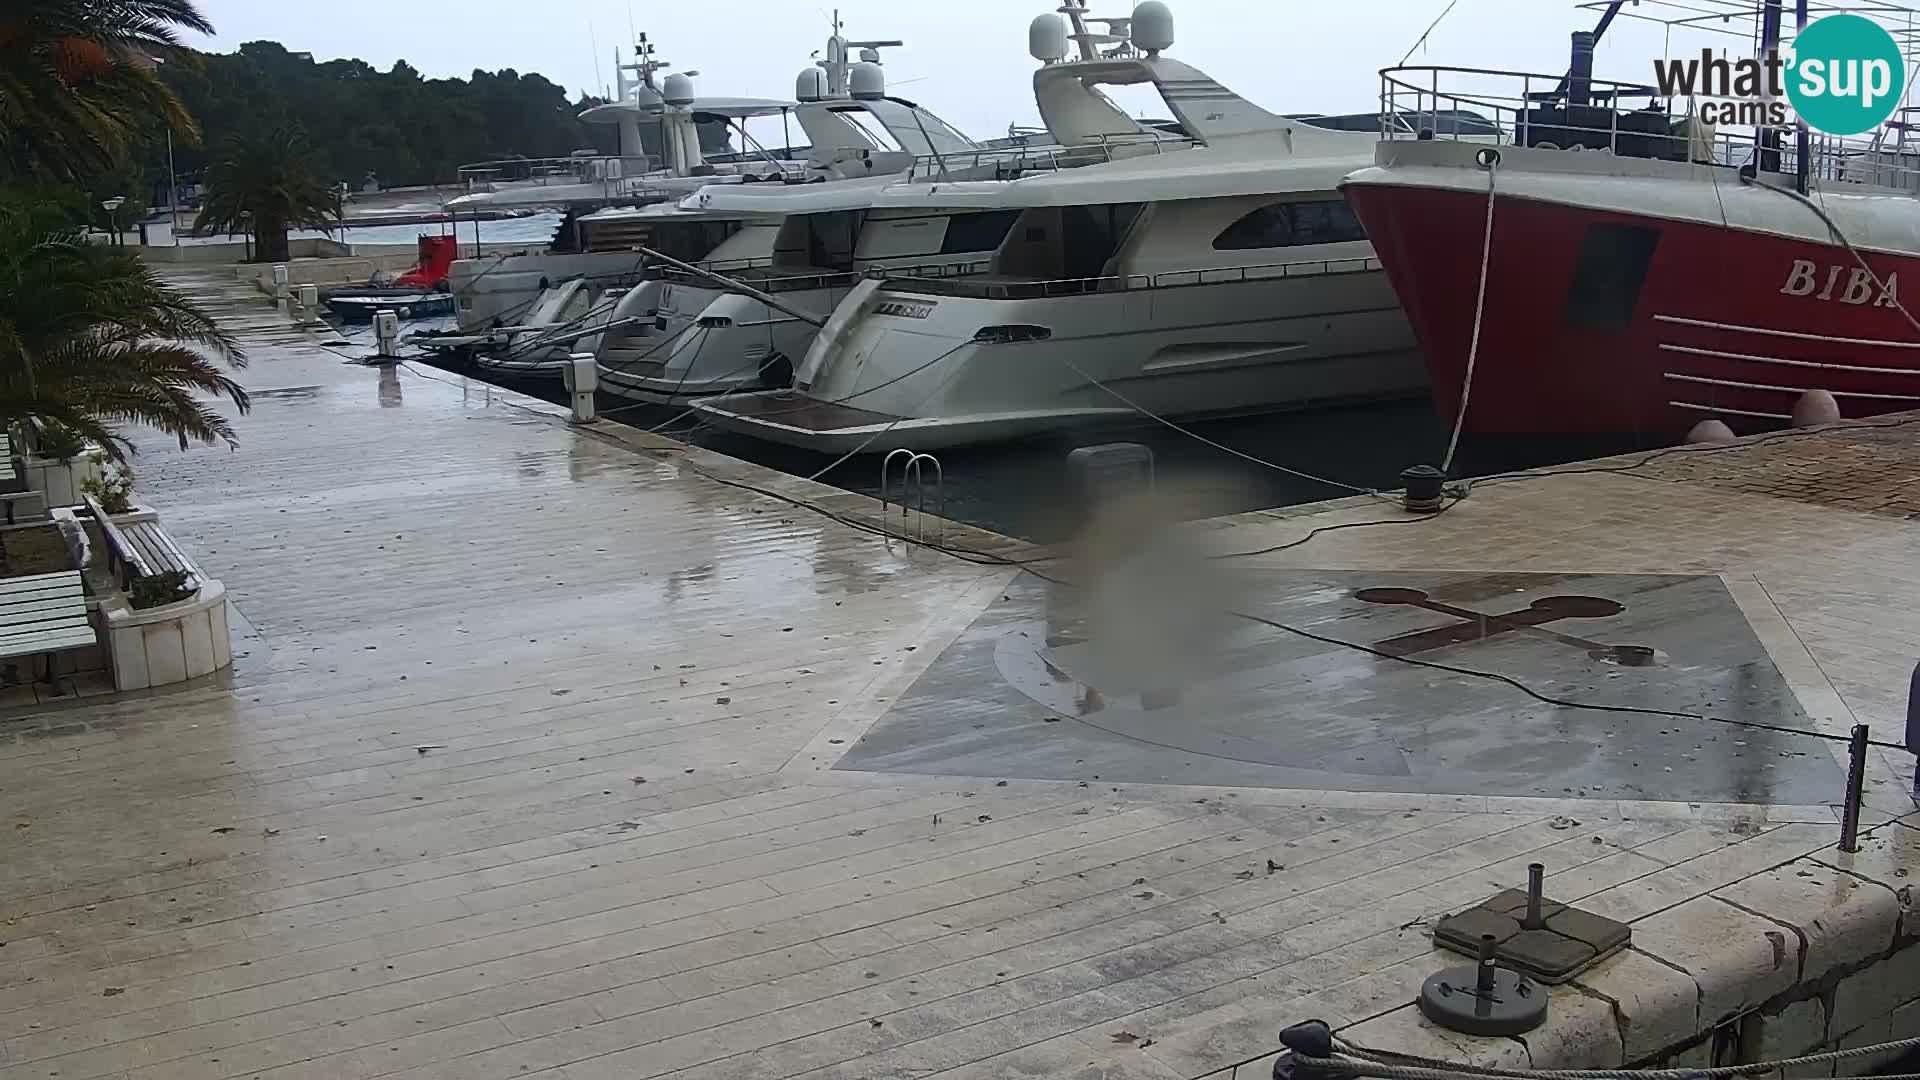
(980, 558)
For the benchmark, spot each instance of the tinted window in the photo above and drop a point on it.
(977, 232)
(1608, 275)
(1292, 225)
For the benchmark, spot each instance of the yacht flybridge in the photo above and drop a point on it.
(1210, 270)
(666, 103)
(684, 335)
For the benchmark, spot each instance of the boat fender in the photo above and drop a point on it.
(1710, 433)
(1815, 407)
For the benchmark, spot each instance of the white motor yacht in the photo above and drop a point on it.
(684, 335)
(1220, 275)
(498, 290)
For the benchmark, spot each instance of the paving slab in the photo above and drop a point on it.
(571, 751)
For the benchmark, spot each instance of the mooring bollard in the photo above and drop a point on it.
(582, 377)
(1856, 785)
(1313, 1038)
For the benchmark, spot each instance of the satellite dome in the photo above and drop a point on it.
(1047, 38)
(811, 85)
(1152, 27)
(648, 99)
(866, 81)
(678, 90)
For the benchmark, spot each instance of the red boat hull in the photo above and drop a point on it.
(1607, 323)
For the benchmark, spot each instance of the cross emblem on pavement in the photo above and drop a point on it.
(1480, 626)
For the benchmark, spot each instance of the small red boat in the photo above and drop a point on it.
(1642, 272)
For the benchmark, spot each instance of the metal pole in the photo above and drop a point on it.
(1769, 138)
(173, 191)
(1803, 138)
(732, 285)
(1536, 876)
(1856, 782)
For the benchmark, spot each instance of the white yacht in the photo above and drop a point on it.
(683, 336)
(499, 289)
(1221, 273)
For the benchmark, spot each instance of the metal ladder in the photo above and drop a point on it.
(914, 492)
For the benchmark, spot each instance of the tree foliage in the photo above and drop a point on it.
(90, 339)
(260, 184)
(394, 125)
(79, 83)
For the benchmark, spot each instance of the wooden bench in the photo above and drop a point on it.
(44, 615)
(13, 486)
(140, 550)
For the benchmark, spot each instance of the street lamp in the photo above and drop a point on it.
(111, 206)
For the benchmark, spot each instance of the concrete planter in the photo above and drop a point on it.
(61, 481)
(164, 645)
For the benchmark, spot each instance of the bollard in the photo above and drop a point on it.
(582, 377)
(1313, 1038)
(386, 332)
(1425, 489)
(1856, 783)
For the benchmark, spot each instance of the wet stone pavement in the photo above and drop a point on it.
(564, 753)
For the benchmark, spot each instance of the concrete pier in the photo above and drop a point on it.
(563, 752)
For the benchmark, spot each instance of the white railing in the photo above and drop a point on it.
(1000, 289)
(1006, 163)
(620, 175)
(1595, 115)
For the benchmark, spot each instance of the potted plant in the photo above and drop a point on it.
(112, 488)
(61, 464)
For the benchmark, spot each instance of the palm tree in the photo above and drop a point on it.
(259, 184)
(78, 87)
(90, 339)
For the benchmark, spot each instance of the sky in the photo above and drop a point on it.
(964, 59)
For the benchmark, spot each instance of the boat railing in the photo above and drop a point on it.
(767, 277)
(1593, 115)
(985, 288)
(1010, 162)
(621, 175)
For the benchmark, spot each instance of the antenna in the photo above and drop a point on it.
(593, 39)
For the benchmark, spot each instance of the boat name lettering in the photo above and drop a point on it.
(1847, 284)
(905, 309)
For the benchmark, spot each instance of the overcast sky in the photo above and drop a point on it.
(965, 59)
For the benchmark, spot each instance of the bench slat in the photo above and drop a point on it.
(41, 592)
(77, 639)
(11, 613)
(158, 547)
(33, 581)
(44, 630)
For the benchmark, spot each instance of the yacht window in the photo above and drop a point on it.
(830, 239)
(1090, 235)
(977, 232)
(1292, 225)
(1608, 275)
(870, 126)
